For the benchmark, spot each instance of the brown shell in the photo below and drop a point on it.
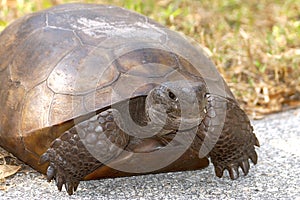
(66, 63)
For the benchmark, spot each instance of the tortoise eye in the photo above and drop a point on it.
(172, 95)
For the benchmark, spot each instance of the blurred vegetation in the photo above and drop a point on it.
(254, 44)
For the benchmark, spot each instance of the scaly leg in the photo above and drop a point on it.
(78, 151)
(229, 136)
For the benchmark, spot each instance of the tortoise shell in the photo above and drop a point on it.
(62, 65)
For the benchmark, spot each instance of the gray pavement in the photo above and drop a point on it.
(276, 176)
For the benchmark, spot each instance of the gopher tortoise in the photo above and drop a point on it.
(95, 91)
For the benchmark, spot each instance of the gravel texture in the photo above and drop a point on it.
(276, 176)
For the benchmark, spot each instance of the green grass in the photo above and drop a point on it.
(254, 44)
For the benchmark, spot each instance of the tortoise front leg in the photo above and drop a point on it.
(229, 137)
(77, 152)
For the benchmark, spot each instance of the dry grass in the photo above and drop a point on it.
(255, 44)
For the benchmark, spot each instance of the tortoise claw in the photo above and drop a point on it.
(71, 187)
(219, 171)
(233, 172)
(75, 185)
(68, 189)
(50, 173)
(59, 182)
(253, 157)
(256, 142)
(245, 166)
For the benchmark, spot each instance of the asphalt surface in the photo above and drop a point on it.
(276, 176)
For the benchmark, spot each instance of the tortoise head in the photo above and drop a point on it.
(178, 105)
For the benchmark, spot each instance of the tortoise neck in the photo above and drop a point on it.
(137, 110)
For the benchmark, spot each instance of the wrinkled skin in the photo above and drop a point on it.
(94, 91)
